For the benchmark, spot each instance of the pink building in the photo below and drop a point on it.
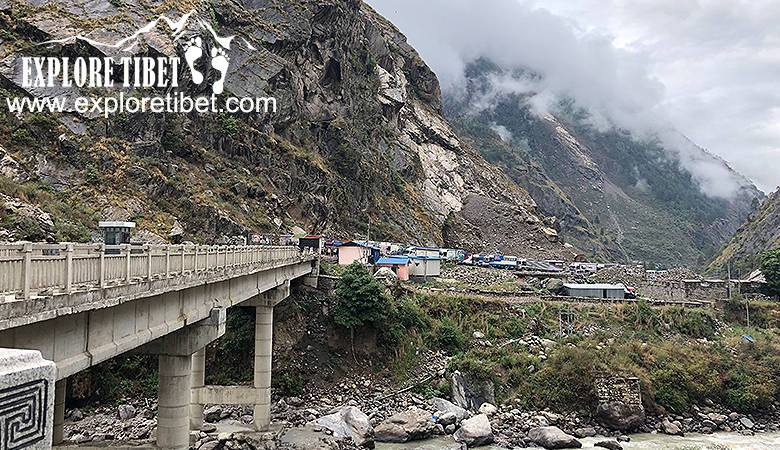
(398, 264)
(353, 251)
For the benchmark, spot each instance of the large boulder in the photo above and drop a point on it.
(553, 438)
(620, 416)
(443, 407)
(350, 422)
(410, 425)
(475, 431)
(470, 393)
(671, 428)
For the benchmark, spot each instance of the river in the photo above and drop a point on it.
(717, 441)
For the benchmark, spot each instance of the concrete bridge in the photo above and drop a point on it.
(80, 304)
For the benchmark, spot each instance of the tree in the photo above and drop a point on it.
(770, 267)
(360, 300)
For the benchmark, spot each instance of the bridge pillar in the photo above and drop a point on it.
(264, 326)
(59, 411)
(198, 380)
(173, 424)
(177, 351)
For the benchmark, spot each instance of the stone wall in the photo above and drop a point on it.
(619, 389)
(706, 290)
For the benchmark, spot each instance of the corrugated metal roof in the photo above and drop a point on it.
(593, 286)
(393, 260)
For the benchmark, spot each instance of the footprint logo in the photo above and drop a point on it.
(220, 61)
(193, 51)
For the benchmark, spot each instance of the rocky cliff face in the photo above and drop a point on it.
(761, 232)
(359, 134)
(616, 197)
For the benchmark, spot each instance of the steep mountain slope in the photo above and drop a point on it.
(617, 197)
(359, 134)
(760, 233)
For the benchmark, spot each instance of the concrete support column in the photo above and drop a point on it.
(173, 416)
(198, 380)
(264, 326)
(59, 411)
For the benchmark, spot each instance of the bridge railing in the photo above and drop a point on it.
(28, 269)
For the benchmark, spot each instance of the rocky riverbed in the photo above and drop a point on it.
(364, 411)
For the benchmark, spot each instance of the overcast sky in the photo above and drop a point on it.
(710, 68)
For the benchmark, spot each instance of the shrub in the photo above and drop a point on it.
(359, 299)
(448, 336)
(770, 266)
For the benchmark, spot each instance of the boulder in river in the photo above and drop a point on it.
(445, 406)
(671, 428)
(620, 416)
(609, 445)
(350, 422)
(553, 438)
(475, 431)
(470, 393)
(410, 425)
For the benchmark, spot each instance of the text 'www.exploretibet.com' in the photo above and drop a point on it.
(129, 104)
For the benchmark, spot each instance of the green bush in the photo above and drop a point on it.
(359, 299)
(749, 391)
(770, 266)
(670, 388)
(288, 384)
(448, 336)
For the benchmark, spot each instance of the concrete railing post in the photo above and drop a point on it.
(59, 410)
(102, 269)
(198, 380)
(173, 418)
(27, 269)
(69, 268)
(128, 264)
(167, 261)
(149, 270)
(183, 253)
(264, 327)
(195, 261)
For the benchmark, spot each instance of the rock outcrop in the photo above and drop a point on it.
(470, 393)
(358, 131)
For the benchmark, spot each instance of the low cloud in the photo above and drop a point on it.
(610, 79)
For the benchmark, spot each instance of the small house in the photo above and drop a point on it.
(615, 291)
(398, 264)
(313, 242)
(424, 266)
(359, 251)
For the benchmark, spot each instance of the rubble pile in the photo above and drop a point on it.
(638, 276)
(477, 276)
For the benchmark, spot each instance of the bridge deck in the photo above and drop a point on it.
(33, 274)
